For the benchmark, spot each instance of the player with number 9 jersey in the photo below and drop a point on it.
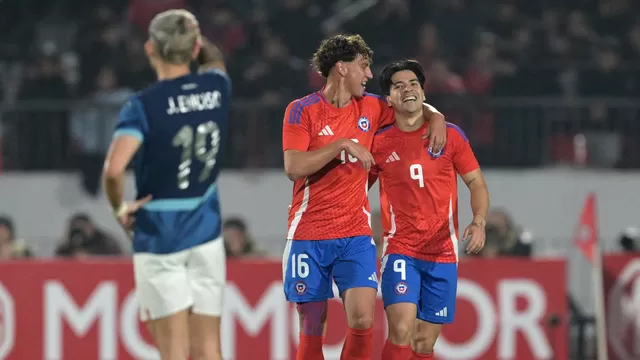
(419, 206)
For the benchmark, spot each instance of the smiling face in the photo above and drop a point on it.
(406, 94)
(356, 74)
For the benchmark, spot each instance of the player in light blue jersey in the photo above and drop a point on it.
(173, 131)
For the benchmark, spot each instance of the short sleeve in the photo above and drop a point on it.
(132, 120)
(296, 128)
(463, 157)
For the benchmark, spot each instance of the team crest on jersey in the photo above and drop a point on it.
(364, 124)
(401, 288)
(435, 155)
(301, 287)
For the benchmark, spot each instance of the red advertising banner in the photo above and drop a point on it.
(622, 296)
(87, 310)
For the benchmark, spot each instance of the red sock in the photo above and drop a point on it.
(391, 351)
(358, 345)
(418, 356)
(310, 348)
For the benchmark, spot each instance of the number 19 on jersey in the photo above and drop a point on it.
(190, 143)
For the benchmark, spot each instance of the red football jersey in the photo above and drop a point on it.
(419, 192)
(332, 203)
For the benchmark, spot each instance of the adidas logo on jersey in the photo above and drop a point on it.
(442, 312)
(374, 277)
(325, 131)
(393, 157)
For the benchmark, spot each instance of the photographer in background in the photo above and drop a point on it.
(237, 242)
(630, 240)
(504, 238)
(84, 239)
(10, 247)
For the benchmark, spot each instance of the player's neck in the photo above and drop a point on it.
(336, 94)
(168, 72)
(409, 122)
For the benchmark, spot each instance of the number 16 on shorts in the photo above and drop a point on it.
(295, 273)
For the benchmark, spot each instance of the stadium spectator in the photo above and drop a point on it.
(630, 240)
(85, 239)
(505, 237)
(92, 122)
(500, 49)
(10, 247)
(237, 241)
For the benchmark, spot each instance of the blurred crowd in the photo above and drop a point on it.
(80, 60)
(84, 238)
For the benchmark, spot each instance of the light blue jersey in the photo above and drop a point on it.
(182, 124)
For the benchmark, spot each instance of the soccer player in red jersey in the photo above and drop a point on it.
(418, 193)
(327, 138)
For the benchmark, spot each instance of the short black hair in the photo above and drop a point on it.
(7, 222)
(387, 73)
(339, 48)
(235, 223)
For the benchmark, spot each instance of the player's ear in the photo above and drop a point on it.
(341, 68)
(388, 100)
(149, 48)
(196, 49)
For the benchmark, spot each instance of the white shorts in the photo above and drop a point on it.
(169, 283)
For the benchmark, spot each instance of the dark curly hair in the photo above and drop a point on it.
(387, 73)
(339, 48)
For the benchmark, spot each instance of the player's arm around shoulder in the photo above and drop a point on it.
(437, 131)
(299, 160)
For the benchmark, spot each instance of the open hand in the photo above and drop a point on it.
(476, 234)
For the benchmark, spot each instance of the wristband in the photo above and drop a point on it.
(121, 210)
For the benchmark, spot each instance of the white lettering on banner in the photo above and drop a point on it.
(483, 337)
(271, 306)
(511, 321)
(101, 309)
(101, 306)
(623, 313)
(7, 322)
(130, 332)
(527, 322)
(60, 306)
